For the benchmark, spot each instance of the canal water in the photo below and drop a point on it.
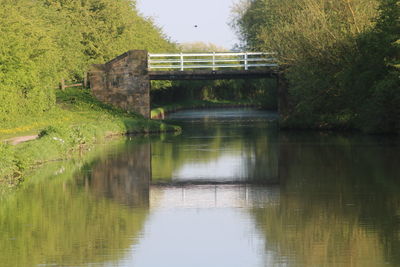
(230, 190)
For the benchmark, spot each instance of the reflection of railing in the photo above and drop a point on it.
(209, 196)
(212, 61)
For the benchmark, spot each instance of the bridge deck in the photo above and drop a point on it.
(212, 74)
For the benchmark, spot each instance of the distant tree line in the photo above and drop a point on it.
(341, 58)
(43, 41)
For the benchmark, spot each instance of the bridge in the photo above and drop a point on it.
(211, 66)
(125, 81)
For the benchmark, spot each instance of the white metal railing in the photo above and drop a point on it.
(212, 60)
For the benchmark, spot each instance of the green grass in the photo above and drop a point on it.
(77, 123)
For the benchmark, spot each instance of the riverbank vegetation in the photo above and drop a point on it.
(69, 130)
(46, 40)
(341, 59)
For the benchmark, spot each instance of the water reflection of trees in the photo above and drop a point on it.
(207, 140)
(123, 177)
(339, 202)
(67, 217)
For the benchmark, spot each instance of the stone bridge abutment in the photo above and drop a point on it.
(124, 82)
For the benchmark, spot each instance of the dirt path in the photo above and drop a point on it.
(20, 139)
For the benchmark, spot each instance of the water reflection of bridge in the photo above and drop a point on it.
(126, 177)
(316, 198)
(212, 196)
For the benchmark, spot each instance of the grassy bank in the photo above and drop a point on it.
(73, 126)
(161, 111)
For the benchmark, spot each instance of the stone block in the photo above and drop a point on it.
(123, 82)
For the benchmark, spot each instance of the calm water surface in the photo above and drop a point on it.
(229, 191)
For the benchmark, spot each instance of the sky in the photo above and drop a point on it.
(178, 18)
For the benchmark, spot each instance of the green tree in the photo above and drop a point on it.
(377, 72)
(340, 57)
(42, 41)
(28, 60)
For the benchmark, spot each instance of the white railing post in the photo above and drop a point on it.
(213, 61)
(148, 61)
(181, 62)
(246, 67)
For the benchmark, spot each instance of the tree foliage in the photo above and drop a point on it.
(340, 58)
(377, 69)
(44, 40)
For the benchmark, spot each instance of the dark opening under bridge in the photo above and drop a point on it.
(125, 81)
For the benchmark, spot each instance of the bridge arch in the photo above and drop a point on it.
(124, 82)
